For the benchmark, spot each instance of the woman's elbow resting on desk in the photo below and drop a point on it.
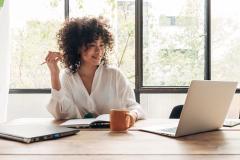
(58, 113)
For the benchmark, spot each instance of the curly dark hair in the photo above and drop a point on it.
(78, 33)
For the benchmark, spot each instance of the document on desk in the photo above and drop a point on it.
(102, 121)
(231, 122)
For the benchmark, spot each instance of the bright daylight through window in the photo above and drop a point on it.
(173, 39)
(173, 42)
(34, 34)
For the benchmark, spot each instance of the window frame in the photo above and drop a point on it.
(139, 88)
(40, 90)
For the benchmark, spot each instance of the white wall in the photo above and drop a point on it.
(160, 105)
(27, 105)
(4, 59)
(155, 105)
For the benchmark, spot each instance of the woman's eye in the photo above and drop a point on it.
(91, 45)
(95, 45)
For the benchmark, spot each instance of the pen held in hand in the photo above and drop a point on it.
(43, 63)
(54, 56)
(46, 62)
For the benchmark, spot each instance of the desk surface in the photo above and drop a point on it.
(102, 144)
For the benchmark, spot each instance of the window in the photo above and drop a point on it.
(225, 40)
(35, 34)
(33, 31)
(121, 16)
(173, 42)
(173, 45)
(160, 45)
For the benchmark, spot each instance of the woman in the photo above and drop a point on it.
(88, 85)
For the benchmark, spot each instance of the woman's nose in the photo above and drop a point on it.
(97, 49)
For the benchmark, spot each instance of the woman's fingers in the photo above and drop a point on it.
(53, 57)
(133, 118)
(53, 54)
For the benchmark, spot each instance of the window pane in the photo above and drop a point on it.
(33, 30)
(121, 16)
(225, 40)
(173, 42)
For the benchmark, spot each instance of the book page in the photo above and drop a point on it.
(87, 122)
(103, 117)
(78, 122)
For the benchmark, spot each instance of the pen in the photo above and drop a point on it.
(43, 63)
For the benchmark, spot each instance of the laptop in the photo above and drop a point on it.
(205, 109)
(34, 133)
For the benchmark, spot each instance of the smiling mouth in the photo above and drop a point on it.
(97, 58)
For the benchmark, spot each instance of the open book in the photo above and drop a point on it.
(102, 121)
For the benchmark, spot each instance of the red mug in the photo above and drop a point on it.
(119, 120)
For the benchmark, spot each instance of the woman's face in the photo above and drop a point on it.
(94, 53)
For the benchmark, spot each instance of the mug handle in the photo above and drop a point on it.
(128, 116)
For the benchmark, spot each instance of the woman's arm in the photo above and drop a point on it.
(55, 81)
(52, 59)
(128, 98)
(61, 104)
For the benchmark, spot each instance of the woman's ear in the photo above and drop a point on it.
(81, 50)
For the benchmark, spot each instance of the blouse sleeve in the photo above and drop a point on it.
(127, 96)
(61, 104)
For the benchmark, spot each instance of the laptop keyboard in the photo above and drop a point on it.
(170, 130)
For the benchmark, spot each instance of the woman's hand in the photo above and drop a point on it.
(133, 118)
(52, 59)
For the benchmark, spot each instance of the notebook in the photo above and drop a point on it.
(231, 122)
(102, 121)
(205, 109)
(34, 133)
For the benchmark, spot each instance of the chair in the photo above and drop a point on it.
(176, 112)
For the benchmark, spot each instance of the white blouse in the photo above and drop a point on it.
(110, 89)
